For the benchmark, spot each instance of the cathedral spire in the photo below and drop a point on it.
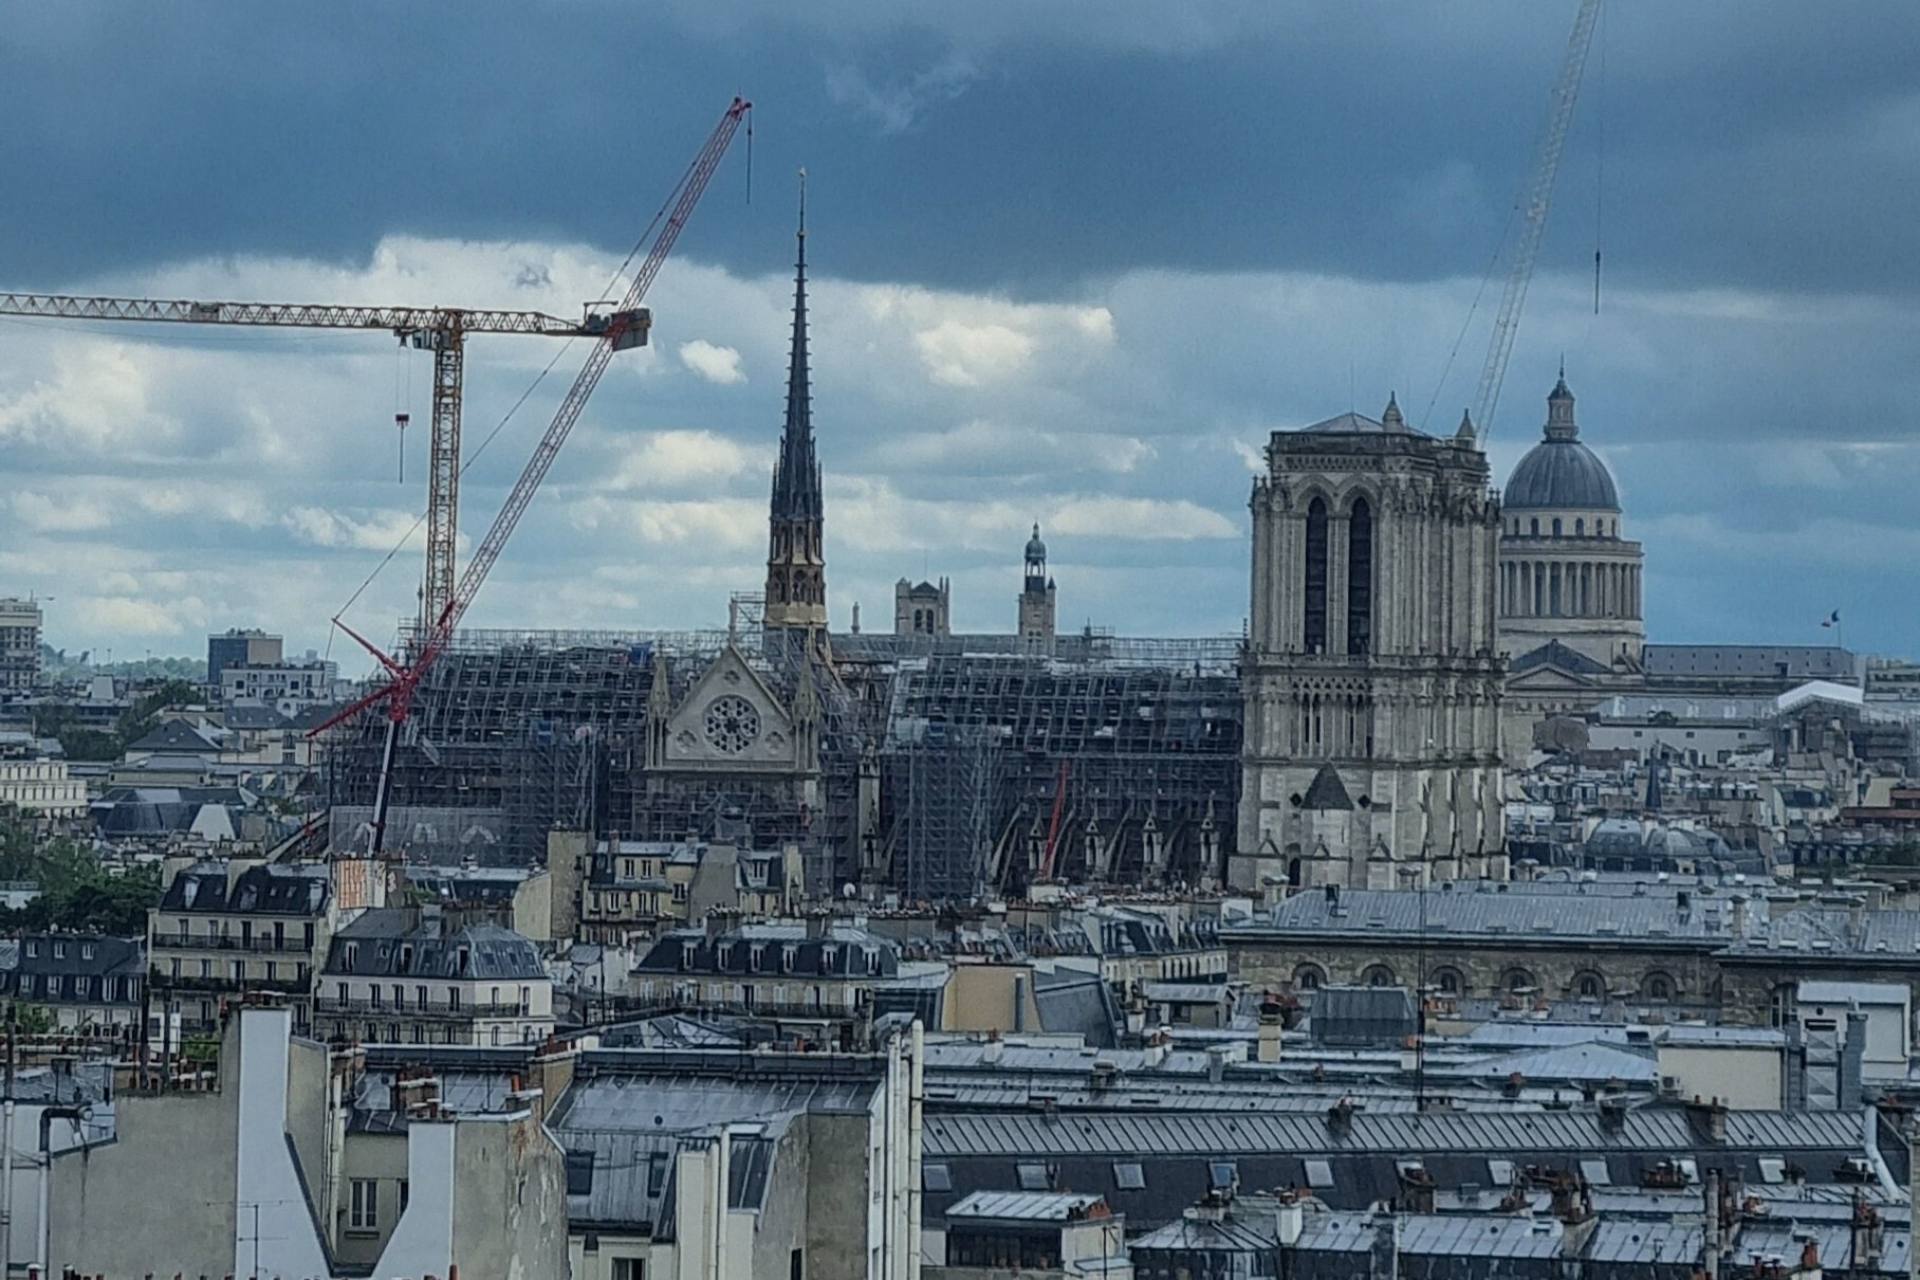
(796, 552)
(796, 476)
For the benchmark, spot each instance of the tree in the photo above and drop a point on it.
(137, 721)
(76, 892)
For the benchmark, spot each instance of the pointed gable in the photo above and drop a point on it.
(1327, 791)
(731, 719)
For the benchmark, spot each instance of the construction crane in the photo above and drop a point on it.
(1536, 200)
(627, 327)
(441, 330)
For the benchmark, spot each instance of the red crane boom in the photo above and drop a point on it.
(627, 327)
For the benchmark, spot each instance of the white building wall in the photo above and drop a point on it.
(275, 1233)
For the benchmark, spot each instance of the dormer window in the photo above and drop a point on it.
(465, 962)
(33, 949)
(756, 958)
(59, 951)
(86, 951)
(351, 954)
(787, 957)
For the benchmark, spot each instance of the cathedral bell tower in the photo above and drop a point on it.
(796, 551)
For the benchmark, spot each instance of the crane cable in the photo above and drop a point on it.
(618, 274)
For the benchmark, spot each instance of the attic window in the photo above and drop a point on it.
(935, 1177)
(1033, 1177)
(1222, 1175)
(59, 951)
(656, 1173)
(1596, 1173)
(579, 1173)
(465, 960)
(1319, 1173)
(86, 951)
(1129, 1177)
(1500, 1172)
(1773, 1170)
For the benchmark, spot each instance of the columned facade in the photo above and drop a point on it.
(1371, 680)
(1566, 572)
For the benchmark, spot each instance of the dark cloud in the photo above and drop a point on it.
(997, 145)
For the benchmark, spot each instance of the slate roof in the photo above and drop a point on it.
(400, 943)
(175, 737)
(262, 890)
(1481, 909)
(843, 953)
(253, 715)
(1352, 1170)
(1555, 654)
(1022, 1206)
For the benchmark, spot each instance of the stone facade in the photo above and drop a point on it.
(922, 609)
(1371, 680)
(1036, 621)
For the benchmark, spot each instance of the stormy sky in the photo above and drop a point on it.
(1071, 263)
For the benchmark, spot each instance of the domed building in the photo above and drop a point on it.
(1567, 577)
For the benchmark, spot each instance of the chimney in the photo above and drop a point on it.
(1713, 1242)
(1340, 1118)
(1271, 1024)
(1613, 1115)
(1708, 1119)
(1416, 1189)
(818, 924)
(1739, 915)
(1857, 922)
(1853, 1056)
(1290, 1219)
(1383, 1262)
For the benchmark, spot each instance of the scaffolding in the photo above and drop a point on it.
(963, 737)
(945, 778)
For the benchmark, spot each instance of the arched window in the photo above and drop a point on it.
(1556, 526)
(1536, 526)
(1360, 577)
(1589, 986)
(1658, 986)
(1308, 977)
(1316, 594)
(1449, 982)
(1378, 975)
(1517, 980)
(1579, 527)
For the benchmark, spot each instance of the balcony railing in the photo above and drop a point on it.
(362, 1008)
(290, 985)
(213, 942)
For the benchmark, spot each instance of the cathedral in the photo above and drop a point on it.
(1372, 678)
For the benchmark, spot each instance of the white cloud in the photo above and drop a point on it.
(719, 365)
(966, 355)
(981, 447)
(370, 531)
(43, 514)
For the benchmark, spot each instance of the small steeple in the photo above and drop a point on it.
(1467, 434)
(1391, 417)
(1560, 423)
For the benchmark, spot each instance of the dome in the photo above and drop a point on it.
(1560, 473)
(1036, 549)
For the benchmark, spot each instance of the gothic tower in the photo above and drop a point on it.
(1036, 600)
(1372, 680)
(796, 551)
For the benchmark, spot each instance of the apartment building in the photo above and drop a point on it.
(419, 975)
(226, 928)
(19, 645)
